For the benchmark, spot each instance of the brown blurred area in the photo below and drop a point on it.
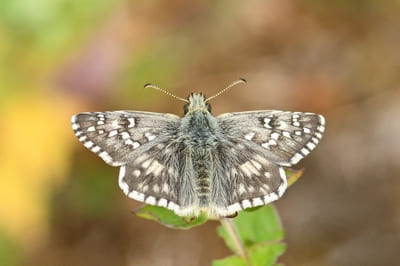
(62, 204)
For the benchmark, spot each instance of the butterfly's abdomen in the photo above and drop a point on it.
(201, 165)
(200, 138)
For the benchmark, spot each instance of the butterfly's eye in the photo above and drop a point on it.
(208, 107)
(186, 108)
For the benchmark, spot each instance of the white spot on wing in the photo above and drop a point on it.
(283, 185)
(296, 158)
(88, 144)
(136, 173)
(311, 145)
(305, 151)
(234, 208)
(165, 188)
(149, 136)
(172, 206)
(275, 135)
(125, 135)
(248, 169)
(131, 122)
(257, 202)
(249, 136)
(74, 118)
(322, 120)
(122, 184)
(146, 163)
(136, 195)
(155, 168)
(151, 200)
(286, 134)
(134, 144)
(113, 133)
(256, 164)
(272, 142)
(265, 145)
(246, 204)
(96, 149)
(141, 158)
(162, 203)
(242, 189)
(261, 159)
(75, 126)
(266, 122)
(270, 197)
(105, 156)
(91, 129)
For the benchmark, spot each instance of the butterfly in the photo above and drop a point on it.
(201, 163)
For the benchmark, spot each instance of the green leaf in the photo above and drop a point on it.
(259, 232)
(230, 261)
(266, 254)
(169, 218)
(293, 176)
(259, 226)
(259, 255)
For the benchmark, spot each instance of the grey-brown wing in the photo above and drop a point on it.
(286, 137)
(254, 147)
(243, 177)
(147, 148)
(118, 136)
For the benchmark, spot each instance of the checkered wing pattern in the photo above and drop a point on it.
(286, 137)
(257, 146)
(117, 137)
(143, 144)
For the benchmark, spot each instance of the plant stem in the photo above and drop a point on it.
(230, 227)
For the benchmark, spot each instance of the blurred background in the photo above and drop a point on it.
(61, 205)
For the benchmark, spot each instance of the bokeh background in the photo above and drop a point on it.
(61, 205)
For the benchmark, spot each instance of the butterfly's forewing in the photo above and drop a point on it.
(118, 136)
(286, 137)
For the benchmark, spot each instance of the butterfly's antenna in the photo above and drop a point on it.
(241, 80)
(149, 85)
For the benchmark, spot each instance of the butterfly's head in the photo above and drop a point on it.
(197, 102)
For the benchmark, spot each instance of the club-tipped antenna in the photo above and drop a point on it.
(241, 80)
(149, 85)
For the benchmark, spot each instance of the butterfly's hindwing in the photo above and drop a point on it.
(286, 137)
(153, 176)
(243, 178)
(117, 136)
